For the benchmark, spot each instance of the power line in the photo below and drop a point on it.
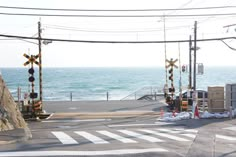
(117, 10)
(116, 42)
(96, 15)
(112, 31)
(228, 45)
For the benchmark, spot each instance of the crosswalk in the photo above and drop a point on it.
(126, 136)
(229, 134)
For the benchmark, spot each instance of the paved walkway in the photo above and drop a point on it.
(16, 135)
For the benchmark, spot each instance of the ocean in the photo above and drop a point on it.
(94, 83)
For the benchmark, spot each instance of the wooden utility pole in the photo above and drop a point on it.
(164, 22)
(40, 63)
(190, 62)
(195, 55)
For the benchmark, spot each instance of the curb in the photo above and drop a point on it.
(105, 114)
(27, 136)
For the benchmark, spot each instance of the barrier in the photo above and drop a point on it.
(184, 106)
(37, 106)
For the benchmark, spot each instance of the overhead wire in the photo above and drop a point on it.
(121, 16)
(118, 10)
(112, 31)
(113, 42)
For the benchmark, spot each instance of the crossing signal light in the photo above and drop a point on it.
(31, 72)
(172, 90)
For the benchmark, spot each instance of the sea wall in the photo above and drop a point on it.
(10, 116)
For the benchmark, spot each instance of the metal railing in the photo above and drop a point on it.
(148, 90)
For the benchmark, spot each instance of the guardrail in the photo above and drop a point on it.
(149, 90)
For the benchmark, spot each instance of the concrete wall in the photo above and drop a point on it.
(10, 116)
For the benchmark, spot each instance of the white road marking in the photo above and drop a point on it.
(141, 136)
(163, 135)
(92, 138)
(75, 120)
(130, 125)
(189, 135)
(64, 138)
(72, 108)
(169, 131)
(233, 128)
(164, 123)
(117, 137)
(226, 137)
(179, 131)
(191, 130)
(82, 153)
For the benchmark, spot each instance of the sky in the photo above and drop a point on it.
(64, 54)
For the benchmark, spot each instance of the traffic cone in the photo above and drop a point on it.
(162, 113)
(176, 110)
(196, 113)
(173, 113)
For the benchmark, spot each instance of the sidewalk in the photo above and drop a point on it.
(16, 135)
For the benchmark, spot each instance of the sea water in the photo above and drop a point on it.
(60, 84)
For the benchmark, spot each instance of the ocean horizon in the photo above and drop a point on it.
(93, 83)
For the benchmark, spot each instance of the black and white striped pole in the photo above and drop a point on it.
(171, 77)
(33, 95)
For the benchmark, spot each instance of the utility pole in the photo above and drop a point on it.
(190, 62)
(195, 59)
(40, 63)
(164, 22)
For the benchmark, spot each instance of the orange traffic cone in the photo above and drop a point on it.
(173, 113)
(196, 113)
(162, 113)
(176, 110)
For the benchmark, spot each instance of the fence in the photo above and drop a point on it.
(216, 102)
(145, 91)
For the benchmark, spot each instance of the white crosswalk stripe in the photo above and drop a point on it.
(229, 138)
(191, 130)
(169, 131)
(64, 138)
(128, 136)
(189, 135)
(117, 137)
(232, 128)
(141, 136)
(180, 132)
(92, 138)
(164, 135)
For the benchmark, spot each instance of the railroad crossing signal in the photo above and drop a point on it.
(31, 59)
(172, 63)
(33, 95)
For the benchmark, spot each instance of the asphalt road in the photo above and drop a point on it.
(129, 135)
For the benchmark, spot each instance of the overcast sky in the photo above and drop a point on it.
(62, 54)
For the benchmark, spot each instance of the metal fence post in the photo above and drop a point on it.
(107, 96)
(71, 96)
